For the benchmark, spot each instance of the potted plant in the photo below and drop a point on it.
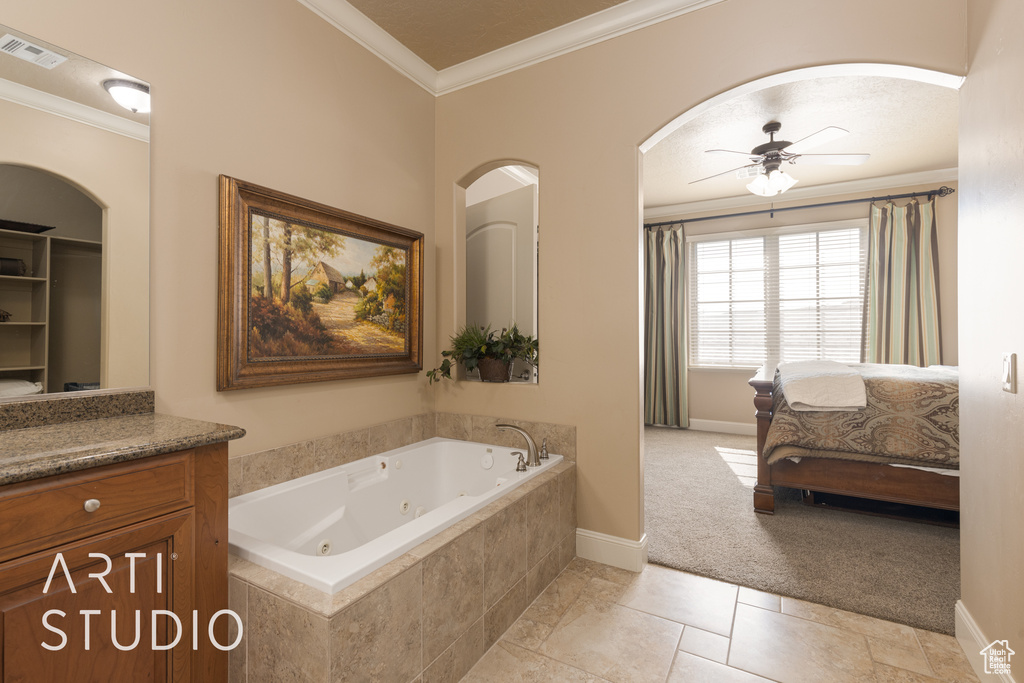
(490, 352)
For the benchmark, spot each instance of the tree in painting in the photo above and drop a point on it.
(386, 304)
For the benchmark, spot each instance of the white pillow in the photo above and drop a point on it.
(19, 387)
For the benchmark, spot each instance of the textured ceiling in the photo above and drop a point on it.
(905, 126)
(446, 32)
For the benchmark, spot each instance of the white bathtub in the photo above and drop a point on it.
(370, 511)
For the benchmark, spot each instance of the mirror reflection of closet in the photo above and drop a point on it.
(501, 254)
(68, 314)
(74, 222)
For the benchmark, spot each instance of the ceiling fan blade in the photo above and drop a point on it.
(731, 170)
(815, 139)
(752, 157)
(834, 159)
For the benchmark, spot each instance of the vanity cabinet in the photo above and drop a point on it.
(162, 522)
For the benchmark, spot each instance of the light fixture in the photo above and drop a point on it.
(131, 95)
(771, 183)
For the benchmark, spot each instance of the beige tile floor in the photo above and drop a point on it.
(598, 623)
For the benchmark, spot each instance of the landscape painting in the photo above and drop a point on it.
(311, 293)
(315, 292)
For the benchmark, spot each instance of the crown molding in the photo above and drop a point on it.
(609, 23)
(595, 28)
(359, 28)
(943, 175)
(51, 104)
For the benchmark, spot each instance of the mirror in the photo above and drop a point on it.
(501, 254)
(74, 223)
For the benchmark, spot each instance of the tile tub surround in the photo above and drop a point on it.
(46, 409)
(432, 612)
(259, 470)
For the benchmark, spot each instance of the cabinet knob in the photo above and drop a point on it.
(92, 505)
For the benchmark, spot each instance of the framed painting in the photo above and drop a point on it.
(310, 293)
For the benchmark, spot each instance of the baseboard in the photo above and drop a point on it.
(723, 427)
(973, 641)
(612, 550)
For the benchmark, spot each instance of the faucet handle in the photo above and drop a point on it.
(521, 465)
(544, 449)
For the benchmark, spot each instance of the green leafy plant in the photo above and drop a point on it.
(473, 343)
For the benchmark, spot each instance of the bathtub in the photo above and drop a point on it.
(329, 529)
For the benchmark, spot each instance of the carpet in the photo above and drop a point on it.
(700, 519)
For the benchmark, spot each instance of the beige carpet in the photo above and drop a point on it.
(700, 518)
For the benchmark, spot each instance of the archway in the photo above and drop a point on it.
(884, 71)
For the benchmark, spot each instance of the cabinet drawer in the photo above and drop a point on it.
(38, 514)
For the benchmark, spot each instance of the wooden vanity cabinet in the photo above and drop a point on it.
(168, 510)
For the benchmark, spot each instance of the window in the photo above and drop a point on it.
(778, 295)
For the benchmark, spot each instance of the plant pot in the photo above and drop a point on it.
(494, 370)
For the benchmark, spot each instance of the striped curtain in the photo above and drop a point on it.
(664, 337)
(902, 311)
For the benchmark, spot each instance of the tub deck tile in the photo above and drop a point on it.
(453, 591)
(285, 643)
(542, 520)
(459, 658)
(504, 551)
(380, 637)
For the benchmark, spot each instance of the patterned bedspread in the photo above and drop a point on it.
(912, 417)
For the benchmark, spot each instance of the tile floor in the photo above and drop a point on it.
(598, 623)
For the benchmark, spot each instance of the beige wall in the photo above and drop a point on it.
(580, 118)
(724, 395)
(265, 91)
(113, 170)
(992, 422)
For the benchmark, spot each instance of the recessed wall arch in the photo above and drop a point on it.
(495, 270)
(42, 196)
(62, 177)
(485, 168)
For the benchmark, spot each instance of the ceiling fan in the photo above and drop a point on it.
(766, 159)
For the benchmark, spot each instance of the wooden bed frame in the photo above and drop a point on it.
(845, 477)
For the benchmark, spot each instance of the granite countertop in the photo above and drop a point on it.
(66, 447)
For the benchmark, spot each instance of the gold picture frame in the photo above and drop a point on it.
(310, 293)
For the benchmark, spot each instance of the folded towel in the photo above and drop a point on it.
(19, 387)
(822, 385)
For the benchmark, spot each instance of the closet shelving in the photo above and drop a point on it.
(25, 338)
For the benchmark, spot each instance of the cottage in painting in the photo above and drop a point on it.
(324, 273)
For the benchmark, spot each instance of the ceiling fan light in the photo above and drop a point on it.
(771, 184)
(781, 181)
(759, 186)
(129, 94)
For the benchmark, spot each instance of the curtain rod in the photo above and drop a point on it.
(940, 192)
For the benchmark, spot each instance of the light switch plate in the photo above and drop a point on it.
(1010, 373)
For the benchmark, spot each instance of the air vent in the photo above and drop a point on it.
(22, 49)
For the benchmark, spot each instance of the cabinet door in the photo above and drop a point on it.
(162, 580)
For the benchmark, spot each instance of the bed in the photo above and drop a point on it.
(902, 447)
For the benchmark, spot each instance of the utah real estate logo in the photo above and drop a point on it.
(997, 657)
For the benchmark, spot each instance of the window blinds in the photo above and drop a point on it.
(774, 296)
